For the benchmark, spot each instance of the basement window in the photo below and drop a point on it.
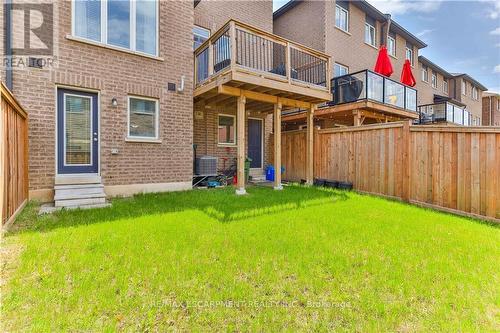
(227, 130)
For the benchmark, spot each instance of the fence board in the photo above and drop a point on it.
(13, 156)
(456, 168)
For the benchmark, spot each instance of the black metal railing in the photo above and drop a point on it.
(368, 85)
(262, 52)
(444, 111)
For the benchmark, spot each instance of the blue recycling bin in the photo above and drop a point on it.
(270, 172)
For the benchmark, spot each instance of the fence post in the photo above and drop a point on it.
(406, 162)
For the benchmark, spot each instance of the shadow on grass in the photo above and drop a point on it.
(220, 204)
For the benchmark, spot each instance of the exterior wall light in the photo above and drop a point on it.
(114, 102)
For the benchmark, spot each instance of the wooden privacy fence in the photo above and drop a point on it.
(13, 156)
(451, 168)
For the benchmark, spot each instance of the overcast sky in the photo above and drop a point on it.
(462, 36)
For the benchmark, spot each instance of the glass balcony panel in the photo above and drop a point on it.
(449, 112)
(375, 87)
(466, 118)
(411, 99)
(458, 113)
(394, 94)
(350, 88)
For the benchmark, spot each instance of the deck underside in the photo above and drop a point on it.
(345, 114)
(262, 91)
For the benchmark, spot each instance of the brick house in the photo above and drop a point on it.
(440, 95)
(137, 134)
(468, 91)
(351, 33)
(491, 109)
(123, 105)
(210, 16)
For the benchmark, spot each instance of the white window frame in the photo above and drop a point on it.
(464, 88)
(475, 94)
(104, 28)
(391, 51)
(234, 130)
(341, 9)
(370, 27)
(157, 119)
(410, 52)
(202, 28)
(341, 66)
(445, 86)
(434, 80)
(425, 74)
(91, 129)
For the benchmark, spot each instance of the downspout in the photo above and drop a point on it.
(8, 43)
(388, 17)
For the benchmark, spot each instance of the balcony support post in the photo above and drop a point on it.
(310, 145)
(241, 139)
(277, 146)
(357, 118)
(232, 32)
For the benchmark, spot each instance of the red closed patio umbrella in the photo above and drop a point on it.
(407, 76)
(383, 65)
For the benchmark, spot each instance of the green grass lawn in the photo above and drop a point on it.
(300, 259)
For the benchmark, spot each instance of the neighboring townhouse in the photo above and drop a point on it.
(434, 101)
(468, 91)
(351, 32)
(215, 125)
(114, 114)
(245, 77)
(491, 109)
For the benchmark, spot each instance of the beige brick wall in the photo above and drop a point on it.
(473, 106)
(350, 49)
(117, 74)
(305, 24)
(213, 14)
(206, 135)
(425, 90)
(313, 24)
(491, 110)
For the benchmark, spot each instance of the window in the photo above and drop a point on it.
(464, 88)
(391, 46)
(434, 80)
(369, 34)
(339, 70)
(409, 54)
(142, 118)
(425, 74)
(200, 35)
(445, 85)
(474, 93)
(128, 24)
(227, 129)
(342, 17)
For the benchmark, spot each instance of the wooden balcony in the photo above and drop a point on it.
(242, 60)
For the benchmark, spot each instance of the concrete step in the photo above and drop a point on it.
(101, 205)
(78, 195)
(79, 202)
(74, 192)
(77, 179)
(77, 186)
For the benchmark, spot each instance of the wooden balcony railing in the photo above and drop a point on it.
(237, 46)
